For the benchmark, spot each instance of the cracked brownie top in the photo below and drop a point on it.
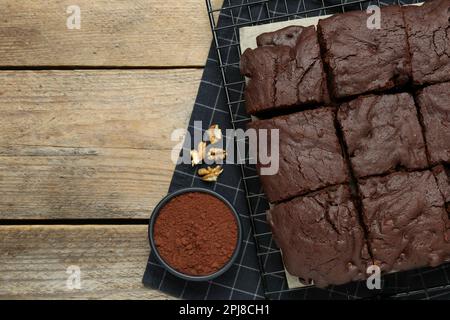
(285, 71)
(362, 60)
(428, 29)
(382, 133)
(310, 156)
(407, 224)
(320, 237)
(434, 104)
(442, 174)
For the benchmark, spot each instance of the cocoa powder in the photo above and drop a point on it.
(196, 233)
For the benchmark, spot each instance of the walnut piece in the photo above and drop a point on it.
(210, 173)
(214, 133)
(216, 154)
(213, 154)
(198, 155)
(195, 157)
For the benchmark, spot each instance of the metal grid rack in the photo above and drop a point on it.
(428, 283)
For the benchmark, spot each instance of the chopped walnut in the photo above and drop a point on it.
(198, 155)
(195, 157)
(216, 154)
(213, 154)
(214, 133)
(210, 173)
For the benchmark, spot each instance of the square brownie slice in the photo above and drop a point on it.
(434, 107)
(310, 156)
(382, 133)
(260, 66)
(285, 71)
(320, 237)
(428, 31)
(362, 60)
(407, 224)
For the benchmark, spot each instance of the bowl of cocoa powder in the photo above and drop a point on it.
(195, 234)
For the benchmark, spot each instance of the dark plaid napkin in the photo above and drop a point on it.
(243, 280)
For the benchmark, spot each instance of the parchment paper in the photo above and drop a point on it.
(248, 35)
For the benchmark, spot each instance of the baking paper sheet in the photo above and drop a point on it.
(248, 35)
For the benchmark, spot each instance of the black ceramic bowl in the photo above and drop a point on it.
(177, 273)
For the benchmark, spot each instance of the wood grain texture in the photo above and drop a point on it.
(112, 33)
(112, 259)
(91, 143)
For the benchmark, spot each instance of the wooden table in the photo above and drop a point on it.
(85, 122)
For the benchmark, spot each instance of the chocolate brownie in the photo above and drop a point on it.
(260, 66)
(362, 60)
(428, 30)
(434, 106)
(407, 224)
(320, 237)
(310, 156)
(442, 174)
(382, 133)
(285, 71)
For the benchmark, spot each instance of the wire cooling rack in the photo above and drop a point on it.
(427, 283)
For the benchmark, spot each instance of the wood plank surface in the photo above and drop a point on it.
(89, 143)
(112, 33)
(111, 259)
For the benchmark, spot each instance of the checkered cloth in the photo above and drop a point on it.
(244, 280)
